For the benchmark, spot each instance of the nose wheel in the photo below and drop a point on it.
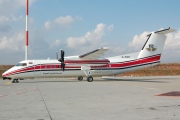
(15, 81)
(80, 78)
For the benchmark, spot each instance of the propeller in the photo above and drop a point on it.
(62, 59)
(56, 55)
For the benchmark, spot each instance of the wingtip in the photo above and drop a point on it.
(165, 31)
(106, 48)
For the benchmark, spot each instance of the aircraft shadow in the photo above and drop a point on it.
(48, 81)
(134, 80)
(95, 80)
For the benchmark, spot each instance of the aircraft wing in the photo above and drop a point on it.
(94, 54)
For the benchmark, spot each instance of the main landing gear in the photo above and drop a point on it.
(87, 71)
(15, 81)
(89, 78)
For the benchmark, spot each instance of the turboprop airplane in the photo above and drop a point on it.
(90, 64)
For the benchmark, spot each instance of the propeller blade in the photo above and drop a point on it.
(56, 55)
(62, 57)
(63, 66)
(62, 60)
(62, 54)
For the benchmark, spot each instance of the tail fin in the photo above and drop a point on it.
(154, 44)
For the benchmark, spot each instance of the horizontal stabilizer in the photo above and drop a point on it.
(165, 31)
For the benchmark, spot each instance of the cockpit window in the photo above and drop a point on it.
(21, 64)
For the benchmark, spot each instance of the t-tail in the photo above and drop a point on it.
(154, 45)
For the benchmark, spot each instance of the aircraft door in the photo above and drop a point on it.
(37, 68)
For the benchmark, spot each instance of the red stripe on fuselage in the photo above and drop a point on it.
(136, 62)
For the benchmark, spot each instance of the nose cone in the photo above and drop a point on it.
(5, 74)
(10, 73)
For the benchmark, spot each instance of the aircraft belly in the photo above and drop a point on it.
(101, 72)
(67, 73)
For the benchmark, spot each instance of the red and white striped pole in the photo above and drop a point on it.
(26, 47)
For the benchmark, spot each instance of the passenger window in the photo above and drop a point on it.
(24, 64)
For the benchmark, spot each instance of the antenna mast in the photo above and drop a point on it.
(26, 47)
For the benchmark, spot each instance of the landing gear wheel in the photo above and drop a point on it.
(89, 78)
(15, 81)
(80, 78)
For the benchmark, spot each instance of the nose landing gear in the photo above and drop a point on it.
(80, 78)
(15, 81)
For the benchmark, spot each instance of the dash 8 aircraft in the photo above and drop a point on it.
(90, 64)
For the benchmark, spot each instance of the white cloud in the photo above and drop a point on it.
(12, 43)
(64, 21)
(110, 27)
(74, 42)
(47, 25)
(18, 2)
(3, 19)
(90, 38)
(12, 35)
(138, 41)
(171, 49)
(14, 18)
(8, 13)
(55, 44)
(7, 7)
(61, 21)
(11, 40)
(173, 41)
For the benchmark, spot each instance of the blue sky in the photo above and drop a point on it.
(81, 26)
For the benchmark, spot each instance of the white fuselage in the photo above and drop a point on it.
(52, 68)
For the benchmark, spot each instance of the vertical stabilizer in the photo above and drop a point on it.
(154, 44)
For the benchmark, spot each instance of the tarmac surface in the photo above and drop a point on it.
(121, 98)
